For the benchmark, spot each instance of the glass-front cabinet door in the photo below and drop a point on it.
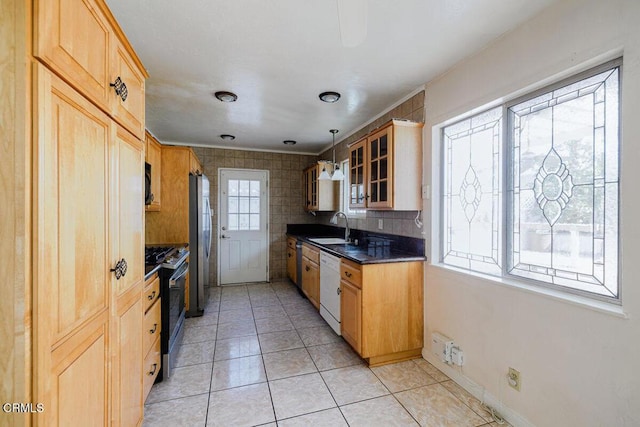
(311, 188)
(357, 163)
(379, 167)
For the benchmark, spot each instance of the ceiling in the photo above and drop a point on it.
(278, 55)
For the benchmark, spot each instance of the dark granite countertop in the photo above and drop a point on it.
(372, 248)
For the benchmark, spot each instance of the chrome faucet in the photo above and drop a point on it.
(334, 220)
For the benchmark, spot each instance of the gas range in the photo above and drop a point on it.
(170, 257)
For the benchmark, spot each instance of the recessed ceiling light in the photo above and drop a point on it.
(289, 142)
(225, 96)
(329, 97)
(227, 137)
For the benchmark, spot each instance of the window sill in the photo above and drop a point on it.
(577, 300)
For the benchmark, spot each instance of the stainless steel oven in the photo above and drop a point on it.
(172, 292)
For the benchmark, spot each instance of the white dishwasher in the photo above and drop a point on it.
(330, 290)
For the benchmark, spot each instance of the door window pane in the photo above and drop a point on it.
(243, 205)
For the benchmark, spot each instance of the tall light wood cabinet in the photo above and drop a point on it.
(385, 168)
(88, 224)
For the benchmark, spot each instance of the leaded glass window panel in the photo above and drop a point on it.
(564, 190)
(472, 193)
(243, 201)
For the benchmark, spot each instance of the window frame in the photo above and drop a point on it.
(507, 167)
(345, 193)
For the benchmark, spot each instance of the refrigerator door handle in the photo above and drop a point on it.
(210, 229)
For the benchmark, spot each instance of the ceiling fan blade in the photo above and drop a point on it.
(352, 16)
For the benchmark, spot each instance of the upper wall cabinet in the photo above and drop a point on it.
(80, 41)
(153, 156)
(320, 195)
(385, 168)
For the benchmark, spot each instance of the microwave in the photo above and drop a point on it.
(148, 194)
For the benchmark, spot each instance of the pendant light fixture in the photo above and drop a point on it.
(337, 174)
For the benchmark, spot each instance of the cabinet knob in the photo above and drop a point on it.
(121, 88)
(307, 268)
(338, 291)
(152, 296)
(346, 273)
(120, 269)
(155, 328)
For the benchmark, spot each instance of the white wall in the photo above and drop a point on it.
(580, 366)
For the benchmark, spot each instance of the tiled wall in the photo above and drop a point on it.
(285, 196)
(401, 223)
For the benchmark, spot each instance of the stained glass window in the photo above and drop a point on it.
(472, 193)
(561, 206)
(564, 227)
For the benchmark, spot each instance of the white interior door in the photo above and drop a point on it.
(243, 246)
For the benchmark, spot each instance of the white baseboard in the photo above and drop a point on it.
(478, 391)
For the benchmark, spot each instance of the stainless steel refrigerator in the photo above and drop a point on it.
(199, 243)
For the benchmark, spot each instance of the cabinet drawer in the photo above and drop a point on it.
(151, 367)
(151, 326)
(311, 253)
(291, 243)
(151, 293)
(351, 272)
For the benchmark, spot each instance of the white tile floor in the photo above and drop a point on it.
(261, 355)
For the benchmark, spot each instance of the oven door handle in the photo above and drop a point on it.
(179, 274)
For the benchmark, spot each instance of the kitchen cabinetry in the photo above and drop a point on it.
(195, 168)
(81, 41)
(320, 195)
(153, 156)
(88, 198)
(311, 274)
(385, 168)
(170, 226)
(151, 333)
(382, 310)
(292, 268)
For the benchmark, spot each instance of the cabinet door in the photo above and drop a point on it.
(194, 165)
(72, 281)
(311, 186)
(357, 193)
(128, 105)
(351, 314)
(154, 158)
(73, 38)
(311, 281)
(291, 264)
(128, 245)
(379, 167)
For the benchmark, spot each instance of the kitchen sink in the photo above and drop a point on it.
(329, 240)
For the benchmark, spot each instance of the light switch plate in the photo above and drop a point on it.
(380, 224)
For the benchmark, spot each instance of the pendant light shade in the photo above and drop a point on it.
(337, 174)
(324, 175)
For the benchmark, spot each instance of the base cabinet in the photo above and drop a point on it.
(382, 310)
(311, 274)
(351, 314)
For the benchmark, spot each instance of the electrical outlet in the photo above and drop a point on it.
(380, 225)
(513, 378)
